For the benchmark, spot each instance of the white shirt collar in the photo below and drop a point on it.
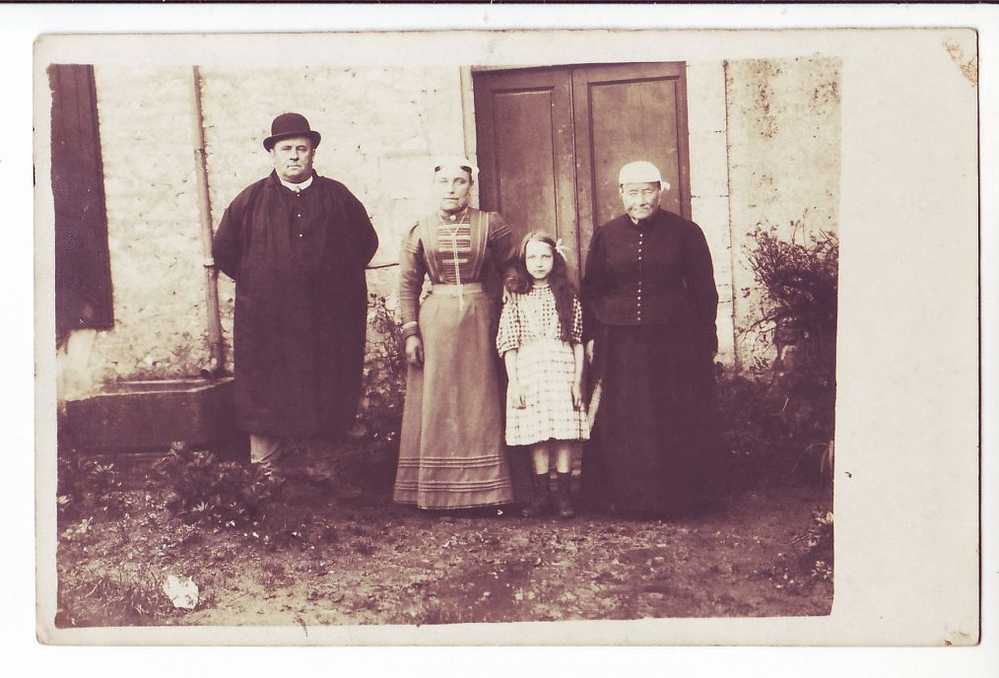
(296, 187)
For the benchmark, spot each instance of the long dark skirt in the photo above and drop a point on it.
(654, 446)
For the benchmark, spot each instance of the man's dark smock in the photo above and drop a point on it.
(298, 260)
(650, 301)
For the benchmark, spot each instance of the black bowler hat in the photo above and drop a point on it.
(290, 125)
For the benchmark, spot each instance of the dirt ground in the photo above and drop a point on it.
(325, 555)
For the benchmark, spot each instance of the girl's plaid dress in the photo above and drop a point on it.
(545, 367)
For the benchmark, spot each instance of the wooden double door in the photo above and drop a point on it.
(552, 140)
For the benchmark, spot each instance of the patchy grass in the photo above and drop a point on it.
(330, 548)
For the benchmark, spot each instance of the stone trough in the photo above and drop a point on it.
(144, 416)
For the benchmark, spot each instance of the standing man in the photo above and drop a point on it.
(296, 244)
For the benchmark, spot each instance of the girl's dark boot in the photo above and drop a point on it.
(562, 496)
(539, 497)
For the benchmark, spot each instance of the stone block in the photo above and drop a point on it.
(708, 164)
(705, 96)
(149, 415)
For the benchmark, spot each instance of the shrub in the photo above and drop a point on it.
(380, 413)
(799, 302)
(86, 485)
(205, 489)
(795, 411)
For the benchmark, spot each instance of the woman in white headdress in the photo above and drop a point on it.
(451, 451)
(650, 301)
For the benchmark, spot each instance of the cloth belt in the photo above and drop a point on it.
(452, 290)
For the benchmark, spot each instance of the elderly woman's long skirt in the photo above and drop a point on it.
(451, 449)
(654, 448)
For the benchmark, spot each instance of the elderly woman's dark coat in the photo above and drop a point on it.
(298, 259)
(650, 301)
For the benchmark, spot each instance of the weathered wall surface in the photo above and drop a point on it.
(380, 128)
(764, 149)
(153, 230)
(783, 128)
(709, 196)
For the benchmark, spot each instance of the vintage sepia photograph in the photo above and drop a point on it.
(369, 343)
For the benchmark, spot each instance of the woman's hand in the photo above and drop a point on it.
(577, 394)
(589, 352)
(414, 351)
(517, 396)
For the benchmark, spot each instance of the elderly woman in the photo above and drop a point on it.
(451, 450)
(650, 300)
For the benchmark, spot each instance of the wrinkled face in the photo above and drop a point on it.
(641, 199)
(452, 185)
(539, 259)
(293, 158)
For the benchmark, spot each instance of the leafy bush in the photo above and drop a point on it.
(794, 410)
(380, 412)
(799, 302)
(204, 489)
(86, 485)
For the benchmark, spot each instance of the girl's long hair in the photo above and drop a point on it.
(520, 281)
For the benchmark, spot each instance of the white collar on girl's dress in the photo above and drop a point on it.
(535, 285)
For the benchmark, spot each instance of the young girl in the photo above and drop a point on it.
(540, 339)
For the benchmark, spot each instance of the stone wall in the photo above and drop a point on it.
(764, 149)
(709, 193)
(783, 129)
(380, 128)
(153, 229)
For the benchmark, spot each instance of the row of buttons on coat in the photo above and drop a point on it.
(641, 243)
(299, 215)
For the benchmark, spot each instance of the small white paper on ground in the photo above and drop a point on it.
(182, 591)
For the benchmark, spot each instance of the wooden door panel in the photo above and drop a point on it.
(524, 132)
(638, 134)
(628, 112)
(525, 161)
(551, 142)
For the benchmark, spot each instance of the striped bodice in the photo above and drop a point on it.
(455, 250)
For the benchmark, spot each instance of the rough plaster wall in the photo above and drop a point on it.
(784, 164)
(153, 227)
(709, 199)
(380, 128)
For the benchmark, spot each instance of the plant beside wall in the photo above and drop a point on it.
(201, 488)
(798, 309)
(383, 391)
(87, 485)
(790, 405)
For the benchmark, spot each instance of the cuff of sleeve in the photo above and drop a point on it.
(410, 329)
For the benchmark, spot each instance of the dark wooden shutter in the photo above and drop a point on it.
(82, 261)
